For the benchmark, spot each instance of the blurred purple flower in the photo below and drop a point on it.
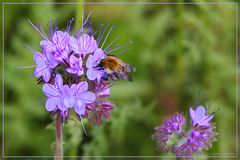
(197, 139)
(170, 128)
(98, 110)
(102, 89)
(101, 108)
(44, 63)
(200, 117)
(172, 136)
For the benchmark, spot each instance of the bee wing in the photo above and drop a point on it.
(130, 68)
(120, 76)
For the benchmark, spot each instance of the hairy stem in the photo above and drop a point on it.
(59, 139)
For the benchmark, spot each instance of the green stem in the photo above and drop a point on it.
(59, 139)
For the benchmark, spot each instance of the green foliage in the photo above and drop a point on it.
(178, 50)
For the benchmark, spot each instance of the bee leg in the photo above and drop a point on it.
(115, 76)
(129, 78)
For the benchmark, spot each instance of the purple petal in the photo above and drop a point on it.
(58, 36)
(46, 74)
(206, 120)
(48, 46)
(38, 71)
(39, 59)
(87, 97)
(87, 43)
(76, 66)
(59, 81)
(81, 87)
(80, 72)
(192, 113)
(64, 53)
(73, 89)
(73, 44)
(99, 75)
(80, 107)
(107, 105)
(200, 113)
(74, 59)
(65, 90)
(51, 104)
(104, 93)
(69, 101)
(71, 70)
(61, 105)
(90, 61)
(91, 74)
(98, 55)
(93, 45)
(51, 60)
(49, 90)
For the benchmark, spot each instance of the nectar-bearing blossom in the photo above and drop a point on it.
(83, 45)
(196, 140)
(93, 71)
(59, 96)
(82, 97)
(173, 135)
(199, 116)
(75, 65)
(44, 64)
(171, 127)
(71, 68)
(100, 109)
(57, 45)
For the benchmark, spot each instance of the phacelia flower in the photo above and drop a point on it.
(170, 128)
(44, 64)
(82, 97)
(57, 45)
(200, 117)
(83, 45)
(75, 65)
(93, 61)
(70, 66)
(101, 108)
(197, 139)
(59, 96)
(173, 136)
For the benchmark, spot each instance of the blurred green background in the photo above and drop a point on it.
(178, 50)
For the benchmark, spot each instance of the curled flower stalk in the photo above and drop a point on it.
(77, 73)
(173, 136)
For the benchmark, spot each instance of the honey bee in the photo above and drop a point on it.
(116, 69)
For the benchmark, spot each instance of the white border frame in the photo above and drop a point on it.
(146, 3)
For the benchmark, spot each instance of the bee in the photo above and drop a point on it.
(116, 69)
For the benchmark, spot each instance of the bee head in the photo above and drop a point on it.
(111, 63)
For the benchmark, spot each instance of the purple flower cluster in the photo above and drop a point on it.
(171, 125)
(69, 66)
(172, 135)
